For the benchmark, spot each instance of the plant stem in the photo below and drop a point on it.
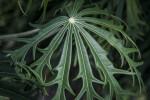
(3, 37)
(22, 34)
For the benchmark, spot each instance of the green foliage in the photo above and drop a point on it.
(81, 30)
(9, 87)
(44, 4)
(131, 12)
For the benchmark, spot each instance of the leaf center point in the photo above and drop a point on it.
(72, 20)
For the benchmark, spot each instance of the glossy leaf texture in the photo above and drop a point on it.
(82, 30)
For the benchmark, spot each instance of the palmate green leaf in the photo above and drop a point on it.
(85, 71)
(118, 45)
(80, 28)
(63, 68)
(105, 65)
(91, 11)
(47, 52)
(97, 11)
(20, 54)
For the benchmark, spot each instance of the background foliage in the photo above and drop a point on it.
(18, 84)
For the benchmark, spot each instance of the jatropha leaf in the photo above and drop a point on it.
(19, 55)
(47, 52)
(63, 69)
(104, 64)
(85, 71)
(76, 25)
